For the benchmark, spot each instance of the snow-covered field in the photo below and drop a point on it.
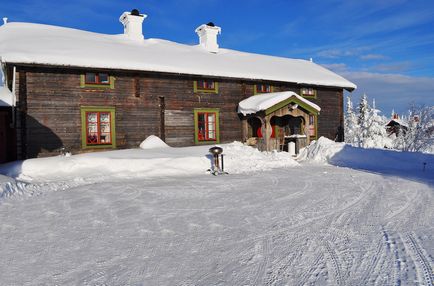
(153, 216)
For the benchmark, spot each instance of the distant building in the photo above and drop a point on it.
(88, 91)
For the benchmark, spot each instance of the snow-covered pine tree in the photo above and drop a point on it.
(372, 130)
(351, 125)
(376, 132)
(362, 120)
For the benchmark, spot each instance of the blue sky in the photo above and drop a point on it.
(386, 47)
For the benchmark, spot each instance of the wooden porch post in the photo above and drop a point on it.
(267, 135)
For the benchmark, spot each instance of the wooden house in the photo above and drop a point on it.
(87, 91)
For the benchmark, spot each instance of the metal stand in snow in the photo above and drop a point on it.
(215, 168)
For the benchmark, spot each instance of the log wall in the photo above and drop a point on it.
(50, 99)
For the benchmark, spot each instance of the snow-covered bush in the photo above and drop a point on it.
(419, 135)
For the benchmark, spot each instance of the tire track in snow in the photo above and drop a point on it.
(312, 268)
(424, 268)
(335, 263)
(373, 264)
(410, 202)
(260, 272)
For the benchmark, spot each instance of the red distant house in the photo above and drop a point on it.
(88, 91)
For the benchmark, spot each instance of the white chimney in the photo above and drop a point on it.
(208, 36)
(132, 22)
(5, 21)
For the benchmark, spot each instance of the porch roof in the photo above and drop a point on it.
(273, 101)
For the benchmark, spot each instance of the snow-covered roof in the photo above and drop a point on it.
(52, 45)
(6, 97)
(264, 101)
(398, 121)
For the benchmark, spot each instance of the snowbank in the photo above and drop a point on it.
(155, 160)
(241, 159)
(320, 151)
(413, 165)
(153, 142)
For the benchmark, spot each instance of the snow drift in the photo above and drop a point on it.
(152, 142)
(413, 165)
(153, 159)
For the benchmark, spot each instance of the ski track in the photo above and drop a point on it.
(335, 263)
(423, 267)
(261, 234)
(309, 274)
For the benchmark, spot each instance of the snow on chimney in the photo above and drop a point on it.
(132, 22)
(5, 21)
(208, 36)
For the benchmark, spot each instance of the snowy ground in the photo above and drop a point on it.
(292, 225)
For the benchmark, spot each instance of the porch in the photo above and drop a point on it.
(271, 121)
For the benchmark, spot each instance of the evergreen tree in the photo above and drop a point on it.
(363, 121)
(376, 131)
(350, 124)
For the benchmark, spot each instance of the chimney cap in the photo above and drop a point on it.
(210, 24)
(136, 12)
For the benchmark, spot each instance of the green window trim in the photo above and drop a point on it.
(308, 95)
(255, 89)
(196, 125)
(111, 110)
(197, 89)
(83, 83)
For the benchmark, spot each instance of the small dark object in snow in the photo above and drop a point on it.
(424, 165)
(215, 168)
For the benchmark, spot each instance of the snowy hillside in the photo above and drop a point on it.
(153, 216)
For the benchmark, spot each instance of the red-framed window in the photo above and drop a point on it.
(308, 91)
(206, 84)
(98, 128)
(97, 78)
(263, 88)
(207, 126)
(312, 125)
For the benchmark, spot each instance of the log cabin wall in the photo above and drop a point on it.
(50, 100)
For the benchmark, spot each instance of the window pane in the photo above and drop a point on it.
(90, 77)
(209, 85)
(211, 126)
(92, 117)
(205, 84)
(201, 126)
(103, 78)
(311, 120)
(105, 127)
(263, 88)
(105, 117)
(105, 138)
(92, 133)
